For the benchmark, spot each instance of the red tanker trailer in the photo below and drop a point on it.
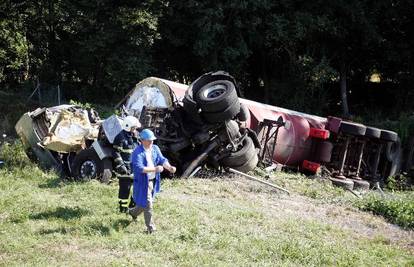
(354, 153)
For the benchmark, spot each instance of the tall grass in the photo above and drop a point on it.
(398, 209)
(221, 222)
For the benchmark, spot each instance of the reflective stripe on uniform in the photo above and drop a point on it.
(130, 194)
(124, 150)
(123, 202)
(123, 176)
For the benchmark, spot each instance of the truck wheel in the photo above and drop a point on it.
(242, 156)
(249, 165)
(227, 114)
(217, 96)
(392, 168)
(244, 113)
(392, 150)
(191, 110)
(209, 77)
(352, 128)
(31, 155)
(360, 184)
(389, 136)
(87, 165)
(344, 183)
(372, 132)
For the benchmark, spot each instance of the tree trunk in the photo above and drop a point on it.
(343, 86)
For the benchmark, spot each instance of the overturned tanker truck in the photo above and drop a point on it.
(207, 124)
(77, 143)
(355, 155)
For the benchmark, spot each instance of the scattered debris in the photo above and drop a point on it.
(257, 180)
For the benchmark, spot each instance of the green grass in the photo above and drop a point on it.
(397, 206)
(219, 222)
(398, 209)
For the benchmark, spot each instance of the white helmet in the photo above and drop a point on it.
(129, 122)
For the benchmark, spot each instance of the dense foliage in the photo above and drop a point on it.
(398, 210)
(314, 56)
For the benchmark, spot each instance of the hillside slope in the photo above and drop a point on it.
(226, 221)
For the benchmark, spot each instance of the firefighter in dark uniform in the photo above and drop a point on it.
(124, 143)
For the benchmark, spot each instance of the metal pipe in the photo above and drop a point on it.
(257, 180)
(361, 153)
(343, 159)
(376, 163)
(354, 193)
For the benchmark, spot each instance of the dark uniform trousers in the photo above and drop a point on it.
(124, 144)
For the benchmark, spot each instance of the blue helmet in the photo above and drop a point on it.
(147, 134)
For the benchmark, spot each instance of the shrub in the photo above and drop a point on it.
(13, 154)
(398, 210)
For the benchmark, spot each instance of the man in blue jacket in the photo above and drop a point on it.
(147, 163)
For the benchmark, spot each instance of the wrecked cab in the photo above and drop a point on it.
(52, 136)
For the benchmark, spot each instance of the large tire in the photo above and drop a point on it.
(360, 184)
(372, 132)
(217, 96)
(191, 109)
(393, 167)
(240, 157)
(392, 150)
(200, 138)
(227, 114)
(344, 183)
(206, 78)
(87, 165)
(351, 128)
(31, 155)
(249, 165)
(389, 136)
(244, 114)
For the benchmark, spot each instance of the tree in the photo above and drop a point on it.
(13, 46)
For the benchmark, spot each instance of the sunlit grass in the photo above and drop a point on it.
(227, 221)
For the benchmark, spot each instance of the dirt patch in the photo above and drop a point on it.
(344, 217)
(280, 205)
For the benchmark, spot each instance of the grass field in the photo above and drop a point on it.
(225, 221)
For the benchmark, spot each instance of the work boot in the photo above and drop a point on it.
(151, 229)
(133, 214)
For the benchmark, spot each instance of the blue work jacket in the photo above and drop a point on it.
(138, 162)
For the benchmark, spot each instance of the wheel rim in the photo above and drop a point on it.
(88, 169)
(214, 91)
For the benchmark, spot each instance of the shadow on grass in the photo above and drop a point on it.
(53, 183)
(59, 230)
(101, 229)
(121, 224)
(64, 213)
(98, 229)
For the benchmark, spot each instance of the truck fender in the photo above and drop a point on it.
(102, 151)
